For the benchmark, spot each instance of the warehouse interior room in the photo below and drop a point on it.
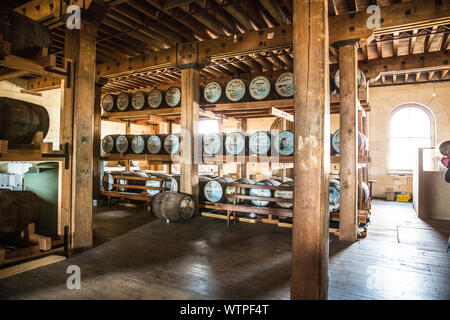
(194, 150)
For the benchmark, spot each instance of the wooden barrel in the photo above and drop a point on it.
(20, 120)
(264, 192)
(123, 143)
(213, 144)
(139, 100)
(214, 190)
(444, 148)
(361, 79)
(365, 191)
(202, 181)
(212, 92)
(123, 101)
(171, 143)
(332, 151)
(284, 194)
(154, 144)
(260, 143)
(109, 102)
(284, 143)
(172, 183)
(108, 181)
(139, 143)
(154, 98)
(284, 86)
(333, 87)
(173, 96)
(17, 210)
(26, 36)
(236, 143)
(243, 191)
(336, 142)
(130, 183)
(334, 195)
(173, 206)
(259, 88)
(108, 143)
(235, 90)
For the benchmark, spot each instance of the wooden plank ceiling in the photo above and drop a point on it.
(136, 27)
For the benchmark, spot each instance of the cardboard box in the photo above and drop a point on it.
(390, 194)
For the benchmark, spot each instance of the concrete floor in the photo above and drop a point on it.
(139, 257)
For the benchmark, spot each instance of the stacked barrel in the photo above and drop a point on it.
(142, 144)
(142, 100)
(257, 89)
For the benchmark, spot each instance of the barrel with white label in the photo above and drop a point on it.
(336, 142)
(214, 190)
(111, 178)
(139, 143)
(334, 195)
(109, 102)
(202, 181)
(284, 143)
(154, 98)
(260, 143)
(284, 86)
(285, 194)
(361, 79)
(242, 191)
(259, 88)
(171, 144)
(212, 92)
(264, 192)
(365, 192)
(108, 143)
(139, 100)
(123, 101)
(123, 144)
(173, 96)
(213, 144)
(235, 90)
(236, 143)
(154, 144)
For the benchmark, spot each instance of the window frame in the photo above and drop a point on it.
(432, 119)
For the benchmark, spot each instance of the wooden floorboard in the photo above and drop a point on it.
(139, 257)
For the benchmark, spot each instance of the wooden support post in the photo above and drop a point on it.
(348, 63)
(127, 132)
(96, 192)
(309, 279)
(80, 46)
(65, 174)
(190, 97)
(244, 166)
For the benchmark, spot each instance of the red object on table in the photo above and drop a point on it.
(446, 162)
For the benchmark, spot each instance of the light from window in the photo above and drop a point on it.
(410, 129)
(208, 126)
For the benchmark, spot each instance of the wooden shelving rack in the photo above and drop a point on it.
(242, 111)
(35, 245)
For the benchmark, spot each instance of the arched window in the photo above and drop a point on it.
(411, 126)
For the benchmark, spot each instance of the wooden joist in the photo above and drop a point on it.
(396, 18)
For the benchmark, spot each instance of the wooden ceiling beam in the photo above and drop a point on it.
(235, 10)
(344, 28)
(275, 11)
(432, 61)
